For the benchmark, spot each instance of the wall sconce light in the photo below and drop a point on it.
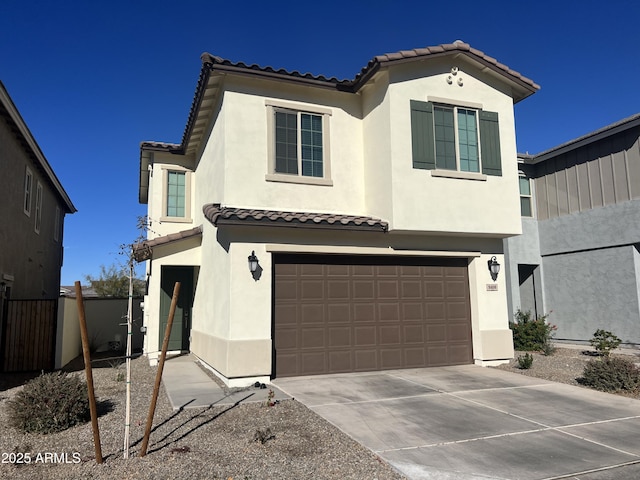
(494, 268)
(253, 262)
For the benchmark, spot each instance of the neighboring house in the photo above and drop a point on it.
(373, 207)
(579, 255)
(34, 205)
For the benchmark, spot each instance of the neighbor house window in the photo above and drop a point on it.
(28, 189)
(455, 138)
(299, 144)
(176, 201)
(57, 224)
(525, 196)
(38, 207)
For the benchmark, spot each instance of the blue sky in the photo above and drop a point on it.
(94, 79)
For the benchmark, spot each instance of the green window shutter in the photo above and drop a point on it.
(490, 143)
(422, 139)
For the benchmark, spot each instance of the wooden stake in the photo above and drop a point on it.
(163, 355)
(87, 368)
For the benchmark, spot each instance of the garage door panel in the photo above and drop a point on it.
(340, 361)
(343, 313)
(312, 338)
(365, 336)
(364, 290)
(340, 337)
(313, 363)
(388, 289)
(311, 289)
(337, 289)
(288, 290)
(364, 312)
(390, 358)
(414, 357)
(339, 313)
(390, 335)
(287, 314)
(389, 312)
(312, 313)
(365, 360)
(437, 332)
(413, 334)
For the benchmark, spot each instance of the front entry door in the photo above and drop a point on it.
(180, 331)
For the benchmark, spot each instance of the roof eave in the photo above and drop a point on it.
(614, 128)
(11, 108)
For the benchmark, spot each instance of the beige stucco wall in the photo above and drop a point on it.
(68, 340)
(371, 174)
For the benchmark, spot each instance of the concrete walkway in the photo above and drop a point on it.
(188, 386)
(471, 422)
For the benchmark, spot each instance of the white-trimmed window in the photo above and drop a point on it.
(176, 198)
(28, 191)
(38, 207)
(526, 209)
(299, 144)
(57, 224)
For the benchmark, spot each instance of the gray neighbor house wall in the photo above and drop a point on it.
(579, 256)
(30, 258)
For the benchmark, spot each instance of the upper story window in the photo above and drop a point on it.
(57, 224)
(298, 144)
(28, 189)
(176, 199)
(455, 138)
(525, 196)
(38, 207)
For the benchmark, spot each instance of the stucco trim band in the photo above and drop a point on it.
(280, 248)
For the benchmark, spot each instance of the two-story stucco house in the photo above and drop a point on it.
(579, 255)
(34, 205)
(373, 207)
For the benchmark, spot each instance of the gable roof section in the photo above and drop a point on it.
(604, 132)
(9, 110)
(219, 215)
(214, 67)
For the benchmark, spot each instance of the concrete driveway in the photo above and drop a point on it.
(471, 422)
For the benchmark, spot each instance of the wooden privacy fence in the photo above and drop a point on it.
(29, 335)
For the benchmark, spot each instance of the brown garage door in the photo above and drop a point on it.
(335, 313)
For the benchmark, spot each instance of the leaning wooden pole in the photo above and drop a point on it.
(87, 368)
(163, 355)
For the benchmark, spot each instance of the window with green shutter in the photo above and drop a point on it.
(448, 137)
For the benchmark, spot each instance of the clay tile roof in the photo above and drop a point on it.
(220, 215)
(160, 146)
(143, 250)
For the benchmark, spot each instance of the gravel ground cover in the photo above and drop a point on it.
(212, 443)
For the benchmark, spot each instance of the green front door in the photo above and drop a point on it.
(179, 339)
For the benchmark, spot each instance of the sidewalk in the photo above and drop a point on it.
(188, 386)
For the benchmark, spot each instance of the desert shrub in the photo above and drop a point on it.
(525, 361)
(532, 334)
(604, 342)
(50, 403)
(611, 374)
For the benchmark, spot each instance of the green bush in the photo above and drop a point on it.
(604, 342)
(611, 374)
(525, 361)
(50, 403)
(532, 334)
